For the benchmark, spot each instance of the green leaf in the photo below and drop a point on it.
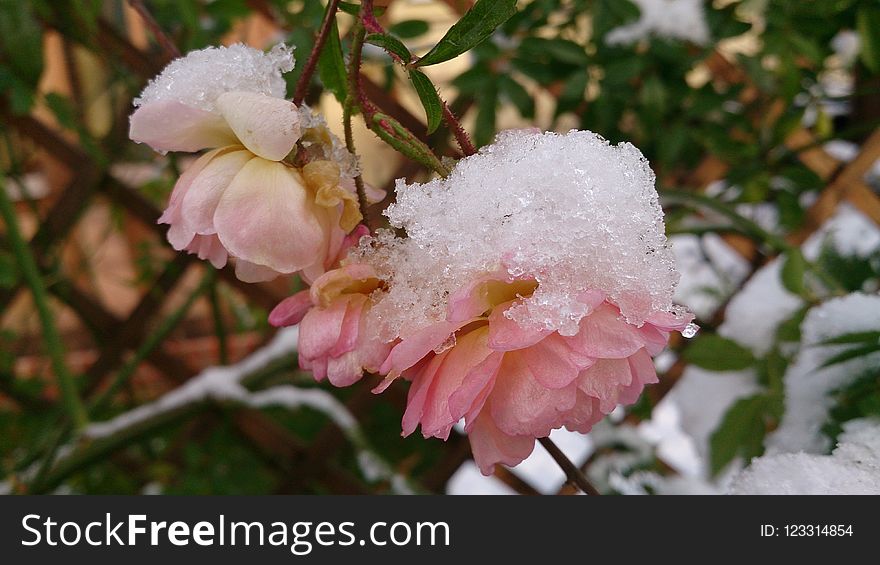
(476, 25)
(868, 26)
(793, 270)
(408, 29)
(851, 353)
(21, 41)
(390, 44)
(716, 353)
(741, 432)
(429, 97)
(484, 128)
(331, 66)
(855, 337)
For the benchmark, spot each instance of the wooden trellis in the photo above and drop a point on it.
(299, 462)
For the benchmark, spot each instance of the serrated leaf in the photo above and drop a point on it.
(331, 65)
(868, 26)
(391, 44)
(740, 433)
(408, 29)
(716, 353)
(793, 271)
(429, 98)
(475, 26)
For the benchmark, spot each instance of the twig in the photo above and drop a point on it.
(31, 275)
(162, 38)
(302, 85)
(571, 471)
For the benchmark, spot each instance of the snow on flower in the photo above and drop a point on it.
(673, 19)
(533, 288)
(275, 192)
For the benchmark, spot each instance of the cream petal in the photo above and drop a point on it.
(267, 126)
(266, 217)
(200, 201)
(169, 125)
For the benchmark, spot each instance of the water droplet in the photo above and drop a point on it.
(690, 330)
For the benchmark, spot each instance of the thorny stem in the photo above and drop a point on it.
(54, 346)
(302, 86)
(461, 136)
(161, 37)
(575, 476)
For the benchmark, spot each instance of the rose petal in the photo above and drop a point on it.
(200, 201)
(266, 217)
(291, 310)
(267, 126)
(491, 446)
(169, 125)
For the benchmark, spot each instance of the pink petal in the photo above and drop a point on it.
(605, 380)
(491, 446)
(418, 393)
(320, 328)
(471, 396)
(267, 126)
(603, 335)
(551, 362)
(291, 310)
(351, 324)
(178, 236)
(344, 370)
(643, 371)
(584, 415)
(469, 351)
(169, 125)
(507, 335)
(266, 217)
(248, 272)
(520, 405)
(208, 247)
(409, 351)
(200, 201)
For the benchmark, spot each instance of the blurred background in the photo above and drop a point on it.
(759, 117)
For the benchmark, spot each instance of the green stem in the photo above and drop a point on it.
(54, 347)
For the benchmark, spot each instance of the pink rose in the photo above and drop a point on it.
(513, 384)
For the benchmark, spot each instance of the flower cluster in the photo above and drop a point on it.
(530, 292)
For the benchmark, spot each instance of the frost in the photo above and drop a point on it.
(198, 78)
(853, 468)
(807, 384)
(672, 19)
(570, 211)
